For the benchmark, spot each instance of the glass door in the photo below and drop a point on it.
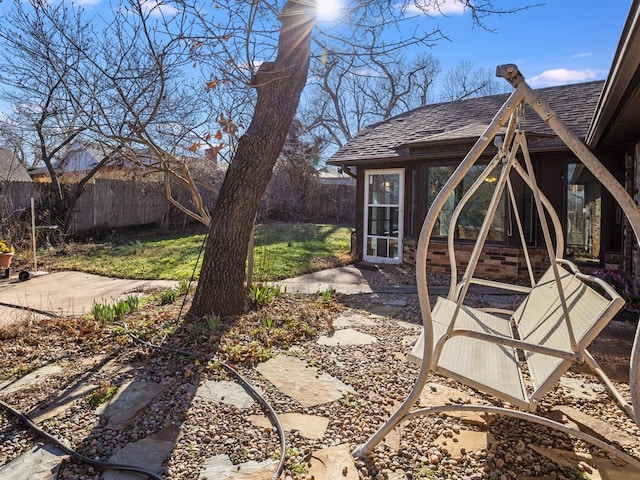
(383, 215)
(584, 215)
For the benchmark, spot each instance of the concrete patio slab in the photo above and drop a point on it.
(72, 293)
(347, 279)
(9, 315)
(295, 378)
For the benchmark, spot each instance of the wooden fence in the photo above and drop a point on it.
(116, 203)
(332, 202)
(119, 203)
(15, 199)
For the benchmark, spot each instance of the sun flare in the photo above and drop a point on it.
(328, 10)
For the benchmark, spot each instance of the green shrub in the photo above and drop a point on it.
(133, 302)
(102, 394)
(103, 313)
(106, 313)
(327, 296)
(120, 309)
(261, 294)
(168, 296)
(213, 321)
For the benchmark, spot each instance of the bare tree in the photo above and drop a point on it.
(466, 81)
(117, 84)
(351, 92)
(278, 85)
(41, 114)
(295, 177)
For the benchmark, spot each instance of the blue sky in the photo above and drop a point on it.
(554, 42)
(557, 42)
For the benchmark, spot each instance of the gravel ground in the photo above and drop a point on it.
(378, 373)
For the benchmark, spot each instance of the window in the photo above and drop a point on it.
(474, 212)
(584, 214)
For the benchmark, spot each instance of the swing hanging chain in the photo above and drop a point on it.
(520, 117)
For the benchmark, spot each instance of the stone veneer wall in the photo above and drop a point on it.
(501, 263)
(497, 262)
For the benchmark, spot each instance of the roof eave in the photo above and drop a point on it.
(625, 63)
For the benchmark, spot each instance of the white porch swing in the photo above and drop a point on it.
(562, 313)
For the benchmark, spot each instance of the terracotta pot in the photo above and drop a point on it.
(5, 259)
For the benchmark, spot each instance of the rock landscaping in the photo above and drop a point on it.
(333, 371)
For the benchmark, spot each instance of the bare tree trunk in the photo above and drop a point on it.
(279, 84)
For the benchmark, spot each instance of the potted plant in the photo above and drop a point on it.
(6, 254)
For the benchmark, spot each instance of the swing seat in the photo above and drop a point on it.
(516, 356)
(483, 349)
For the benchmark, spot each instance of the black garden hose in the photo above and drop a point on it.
(72, 453)
(267, 408)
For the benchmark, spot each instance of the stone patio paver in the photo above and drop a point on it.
(62, 403)
(130, 399)
(604, 468)
(226, 392)
(295, 378)
(354, 320)
(346, 336)
(385, 310)
(468, 440)
(220, 467)
(333, 463)
(40, 375)
(148, 453)
(603, 429)
(579, 389)
(309, 426)
(39, 463)
(435, 394)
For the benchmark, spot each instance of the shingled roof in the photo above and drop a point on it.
(11, 169)
(465, 120)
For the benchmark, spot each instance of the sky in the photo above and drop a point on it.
(554, 43)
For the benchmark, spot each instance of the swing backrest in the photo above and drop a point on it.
(540, 320)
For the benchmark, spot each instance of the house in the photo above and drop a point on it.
(11, 169)
(334, 176)
(16, 186)
(81, 158)
(402, 162)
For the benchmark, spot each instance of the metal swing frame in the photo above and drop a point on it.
(568, 287)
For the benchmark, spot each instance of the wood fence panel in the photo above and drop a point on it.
(335, 202)
(119, 203)
(15, 198)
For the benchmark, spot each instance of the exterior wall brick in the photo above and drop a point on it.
(496, 263)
